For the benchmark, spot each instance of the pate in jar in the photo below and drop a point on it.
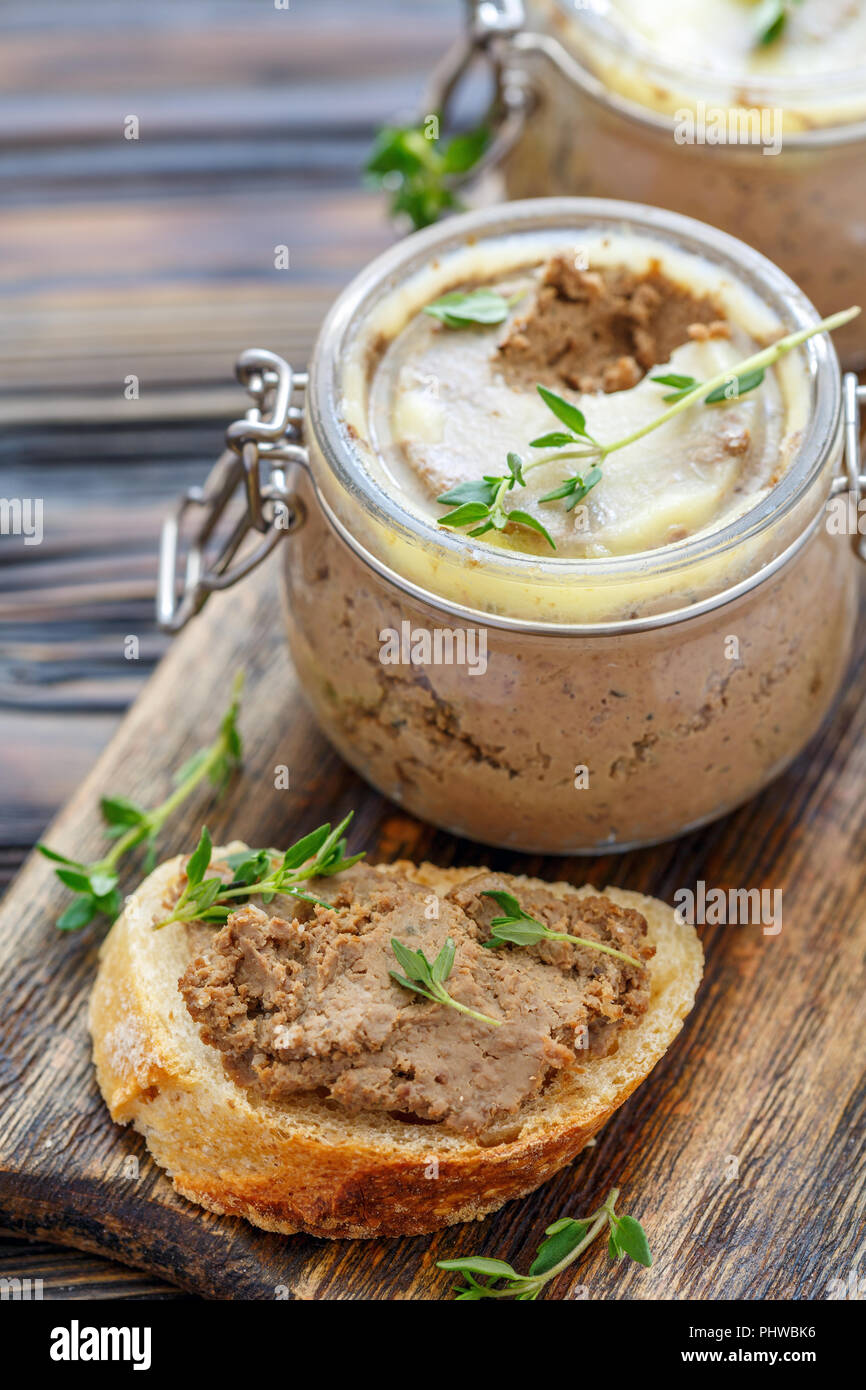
(752, 121)
(506, 644)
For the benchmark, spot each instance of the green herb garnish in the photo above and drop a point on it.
(734, 387)
(419, 171)
(566, 1241)
(770, 19)
(681, 385)
(459, 309)
(577, 440)
(519, 929)
(479, 503)
(96, 885)
(429, 980)
(570, 415)
(260, 872)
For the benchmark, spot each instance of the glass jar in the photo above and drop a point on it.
(620, 701)
(579, 735)
(778, 161)
(570, 742)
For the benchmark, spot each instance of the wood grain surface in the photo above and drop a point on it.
(739, 1154)
(155, 258)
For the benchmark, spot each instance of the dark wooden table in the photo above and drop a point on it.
(154, 258)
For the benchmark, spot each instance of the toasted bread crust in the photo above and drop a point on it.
(304, 1165)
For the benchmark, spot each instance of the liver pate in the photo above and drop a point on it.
(602, 330)
(304, 1002)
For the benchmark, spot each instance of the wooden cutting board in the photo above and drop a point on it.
(740, 1154)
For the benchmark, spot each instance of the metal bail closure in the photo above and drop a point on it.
(854, 482)
(491, 25)
(269, 433)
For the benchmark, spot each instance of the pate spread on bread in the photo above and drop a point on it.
(299, 997)
(278, 1071)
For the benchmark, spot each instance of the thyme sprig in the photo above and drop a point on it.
(459, 309)
(566, 1241)
(429, 979)
(770, 19)
(259, 872)
(419, 172)
(480, 503)
(733, 388)
(518, 928)
(580, 444)
(96, 884)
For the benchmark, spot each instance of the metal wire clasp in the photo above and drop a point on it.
(853, 480)
(491, 25)
(270, 432)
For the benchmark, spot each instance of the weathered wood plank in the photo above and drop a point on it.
(60, 1274)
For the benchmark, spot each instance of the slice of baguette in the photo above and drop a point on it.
(305, 1164)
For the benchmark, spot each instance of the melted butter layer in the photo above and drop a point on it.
(819, 36)
(441, 413)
